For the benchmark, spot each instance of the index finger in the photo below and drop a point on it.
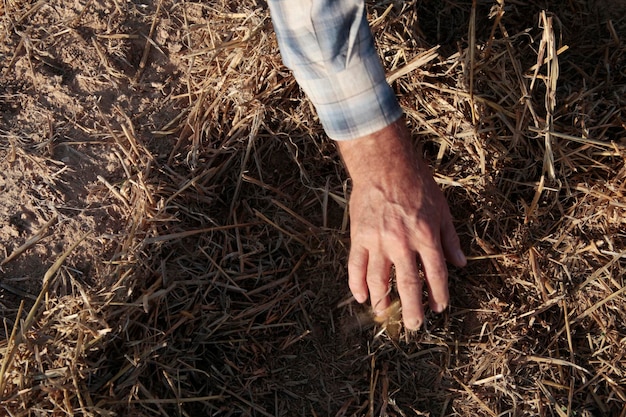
(436, 273)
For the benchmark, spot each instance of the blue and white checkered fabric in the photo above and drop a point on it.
(329, 47)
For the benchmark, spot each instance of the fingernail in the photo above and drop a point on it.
(461, 260)
(439, 307)
(360, 298)
(413, 325)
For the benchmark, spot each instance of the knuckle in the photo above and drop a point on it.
(357, 262)
(409, 282)
(440, 276)
(427, 232)
(376, 282)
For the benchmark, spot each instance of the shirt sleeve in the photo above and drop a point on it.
(329, 47)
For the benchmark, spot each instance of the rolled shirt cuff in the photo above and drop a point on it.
(354, 102)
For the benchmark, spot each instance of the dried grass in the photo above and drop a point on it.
(226, 295)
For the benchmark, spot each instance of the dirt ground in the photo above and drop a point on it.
(211, 279)
(63, 89)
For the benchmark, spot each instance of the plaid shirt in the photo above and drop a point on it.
(329, 47)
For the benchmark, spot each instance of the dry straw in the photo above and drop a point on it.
(223, 292)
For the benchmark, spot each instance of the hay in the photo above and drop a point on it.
(214, 282)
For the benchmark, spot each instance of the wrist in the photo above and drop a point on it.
(388, 152)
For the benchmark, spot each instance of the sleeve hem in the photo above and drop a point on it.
(353, 103)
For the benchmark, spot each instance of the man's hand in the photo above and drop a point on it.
(397, 212)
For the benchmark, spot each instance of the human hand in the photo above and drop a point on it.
(397, 212)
